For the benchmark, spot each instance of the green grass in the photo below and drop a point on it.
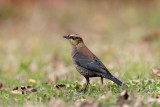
(135, 71)
(73, 92)
(32, 48)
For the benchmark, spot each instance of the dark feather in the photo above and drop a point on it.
(92, 64)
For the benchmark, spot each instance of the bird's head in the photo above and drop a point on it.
(74, 39)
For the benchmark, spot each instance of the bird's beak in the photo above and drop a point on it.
(67, 37)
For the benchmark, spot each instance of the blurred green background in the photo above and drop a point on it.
(124, 34)
(119, 32)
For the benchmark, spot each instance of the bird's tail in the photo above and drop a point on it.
(114, 79)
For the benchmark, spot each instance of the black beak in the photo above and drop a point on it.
(67, 37)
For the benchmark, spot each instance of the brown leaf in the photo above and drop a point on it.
(158, 96)
(125, 95)
(23, 90)
(1, 86)
(152, 36)
(31, 89)
(123, 98)
(60, 86)
(15, 88)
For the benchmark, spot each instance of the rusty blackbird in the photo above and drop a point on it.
(86, 63)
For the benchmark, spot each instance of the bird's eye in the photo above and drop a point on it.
(74, 38)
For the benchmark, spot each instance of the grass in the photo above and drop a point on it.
(73, 93)
(33, 52)
(18, 70)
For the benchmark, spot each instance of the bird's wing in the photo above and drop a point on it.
(94, 65)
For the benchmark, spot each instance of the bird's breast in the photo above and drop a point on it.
(82, 52)
(85, 72)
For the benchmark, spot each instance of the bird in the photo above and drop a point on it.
(87, 64)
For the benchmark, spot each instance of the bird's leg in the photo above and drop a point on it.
(102, 80)
(87, 80)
